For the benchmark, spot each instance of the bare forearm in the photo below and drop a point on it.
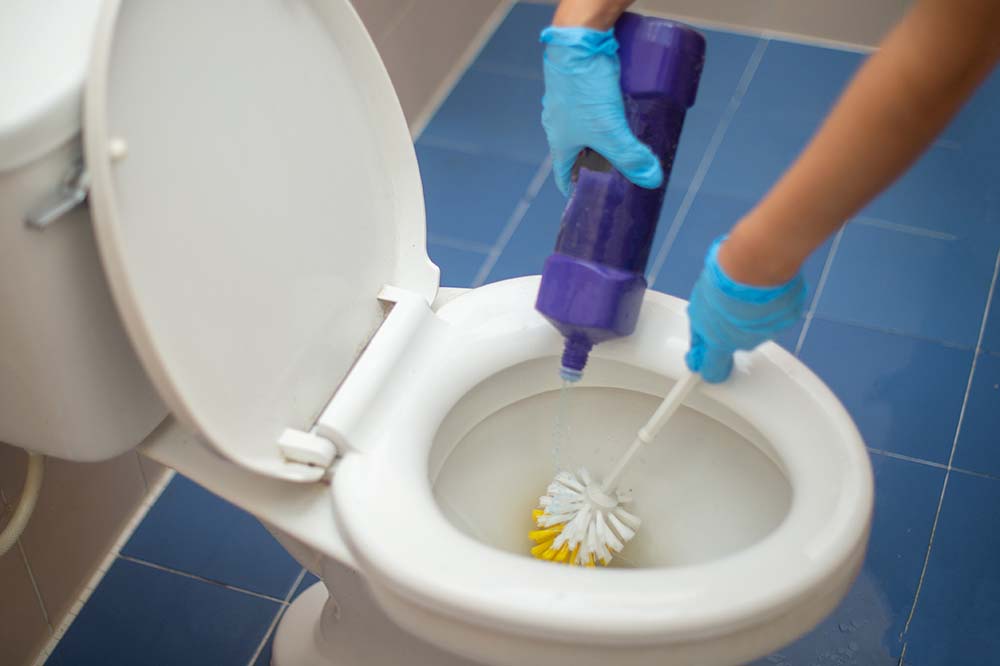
(893, 109)
(597, 14)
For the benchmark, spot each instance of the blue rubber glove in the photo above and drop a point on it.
(727, 315)
(583, 107)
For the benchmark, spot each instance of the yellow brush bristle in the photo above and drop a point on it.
(545, 537)
(545, 534)
(538, 550)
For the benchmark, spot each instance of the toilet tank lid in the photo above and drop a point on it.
(254, 187)
(44, 48)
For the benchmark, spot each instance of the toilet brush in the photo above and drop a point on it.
(584, 522)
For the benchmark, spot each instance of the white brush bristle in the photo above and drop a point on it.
(591, 533)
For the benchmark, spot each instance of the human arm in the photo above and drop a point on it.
(895, 106)
(898, 102)
(595, 14)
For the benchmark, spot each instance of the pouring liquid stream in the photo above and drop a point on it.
(561, 427)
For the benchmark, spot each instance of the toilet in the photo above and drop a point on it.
(255, 199)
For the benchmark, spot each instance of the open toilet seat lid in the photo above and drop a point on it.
(254, 186)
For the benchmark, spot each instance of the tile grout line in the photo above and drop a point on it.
(897, 332)
(95, 579)
(901, 456)
(35, 588)
(707, 158)
(6, 508)
(202, 579)
(954, 447)
(820, 286)
(981, 475)
(513, 222)
(458, 244)
(473, 150)
(277, 617)
(909, 229)
(931, 463)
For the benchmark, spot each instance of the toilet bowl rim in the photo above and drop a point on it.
(464, 599)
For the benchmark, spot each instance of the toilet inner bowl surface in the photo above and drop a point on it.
(702, 490)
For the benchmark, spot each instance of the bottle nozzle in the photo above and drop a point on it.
(574, 358)
(570, 375)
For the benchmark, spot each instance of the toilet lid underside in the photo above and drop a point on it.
(254, 188)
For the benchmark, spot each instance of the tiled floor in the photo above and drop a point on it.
(898, 326)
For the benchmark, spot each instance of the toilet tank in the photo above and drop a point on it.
(70, 384)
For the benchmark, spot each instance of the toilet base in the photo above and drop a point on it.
(316, 631)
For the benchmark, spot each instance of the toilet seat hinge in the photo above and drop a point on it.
(307, 448)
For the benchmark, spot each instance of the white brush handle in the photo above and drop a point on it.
(648, 432)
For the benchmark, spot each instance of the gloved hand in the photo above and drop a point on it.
(583, 107)
(727, 316)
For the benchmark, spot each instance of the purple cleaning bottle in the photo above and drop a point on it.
(593, 283)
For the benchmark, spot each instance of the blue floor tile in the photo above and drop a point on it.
(142, 615)
(191, 530)
(264, 658)
(789, 338)
(979, 442)
(904, 394)
(756, 150)
(712, 215)
(699, 126)
(514, 48)
(948, 192)
(492, 113)
(975, 129)
(709, 217)
(800, 80)
(865, 629)
(726, 58)
(672, 202)
(790, 94)
(534, 238)
(910, 283)
(459, 266)
(470, 197)
(956, 619)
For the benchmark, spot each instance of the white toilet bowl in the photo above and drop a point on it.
(258, 210)
(756, 499)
